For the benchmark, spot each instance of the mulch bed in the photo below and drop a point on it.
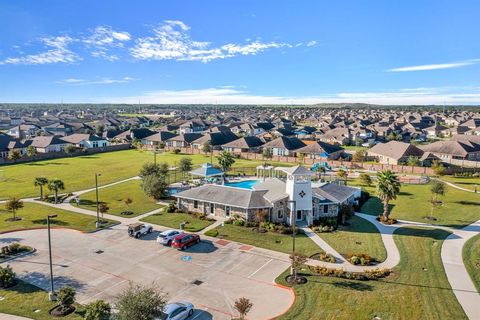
(57, 311)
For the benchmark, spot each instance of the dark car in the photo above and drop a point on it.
(185, 240)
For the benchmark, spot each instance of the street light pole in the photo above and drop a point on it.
(292, 223)
(97, 224)
(51, 295)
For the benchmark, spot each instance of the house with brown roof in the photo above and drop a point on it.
(394, 152)
(320, 150)
(284, 146)
(245, 144)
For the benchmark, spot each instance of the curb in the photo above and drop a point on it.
(19, 256)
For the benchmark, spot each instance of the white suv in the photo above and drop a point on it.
(166, 237)
(139, 229)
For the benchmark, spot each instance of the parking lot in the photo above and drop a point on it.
(211, 275)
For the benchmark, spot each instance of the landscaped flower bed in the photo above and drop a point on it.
(323, 256)
(13, 250)
(340, 273)
(361, 259)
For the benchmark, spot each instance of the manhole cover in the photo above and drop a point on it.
(99, 251)
(197, 282)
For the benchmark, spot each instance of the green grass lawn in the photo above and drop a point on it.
(360, 236)
(78, 173)
(417, 289)
(463, 182)
(23, 299)
(268, 240)
(173, 220)
(460, 208)
(471, 259)
(114, 197)
(35, 215)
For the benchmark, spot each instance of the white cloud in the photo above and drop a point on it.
(230, 95)
(311, 43)
(437, 66)
(57, 53)
(103, 39)
(74, 81)
(171, 41)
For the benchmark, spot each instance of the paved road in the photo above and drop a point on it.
(226, 270)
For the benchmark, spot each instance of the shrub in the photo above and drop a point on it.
(360, 258)
(240, 223)
(126, 213)
(176, 151)
(388, 221)
(97, 310)
(211, 233)
(172, 206)
(323, 256)
(340, 273)
(66, 297)
(7, 277)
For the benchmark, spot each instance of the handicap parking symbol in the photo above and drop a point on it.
(186, 258)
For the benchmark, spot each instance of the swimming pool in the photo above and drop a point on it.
(246, 184)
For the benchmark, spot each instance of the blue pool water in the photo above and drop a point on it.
(247, 184)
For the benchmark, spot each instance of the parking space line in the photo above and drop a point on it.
(260, 268)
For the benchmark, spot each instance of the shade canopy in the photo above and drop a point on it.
(206, 171)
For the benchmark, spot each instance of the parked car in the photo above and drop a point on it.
(177, 311)
(139, 229)
(166, 237)
(185, 240)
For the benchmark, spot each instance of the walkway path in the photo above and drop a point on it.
(454, 185)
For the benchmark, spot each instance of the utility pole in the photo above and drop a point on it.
(51, 295)
(292, 223)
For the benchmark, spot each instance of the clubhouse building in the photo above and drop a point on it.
(290, 190)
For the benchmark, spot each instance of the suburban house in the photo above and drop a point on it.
(215, 139)
(320, 150)
(46, 144)
(338, 136)
(23, 131)
(192, 126)
(245, 144)
(461, 147)
(284, 146)
(5, 143)
(278, 197)
(88, 141)
(59, 129)
(394, 152)
(134, 134)
(157, 139)
(183, 140)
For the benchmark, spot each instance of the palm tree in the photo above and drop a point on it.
(388, 188)
(13, 205)
(55, 185)
(40, 182)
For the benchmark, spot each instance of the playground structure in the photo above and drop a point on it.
(316, 166)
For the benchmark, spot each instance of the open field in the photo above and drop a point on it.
(360, 236)
(418, 288)
(114, 197)
(463, 182)
(459, 208)
(268, 240)
(35, 216)
(23, 299)
(173, 220)
(471, 259)
(78, 173)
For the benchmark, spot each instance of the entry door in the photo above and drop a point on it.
(299, 214)
(212, 208)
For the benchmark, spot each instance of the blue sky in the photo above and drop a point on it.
(387, 52)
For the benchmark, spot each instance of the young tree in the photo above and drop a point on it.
(267, 153)
(359, 156)
(365, 179)
(154, 186)
(260, 216)
(40, 182)
(66, 298)
(243, 306)
(297, 260)
(99, 129)
(438, 168)
(14, 204)
(226, 160)
(413, 161)
(98, 310)
(207, 147)
(103, 208)
(438, 188)
(388, 188)
(55, 185)
(14, 155)
(150, 169)
(185, 165)
(140, 302)
(31, 151)
(70, 149)
(164, 169)
(342, 174)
